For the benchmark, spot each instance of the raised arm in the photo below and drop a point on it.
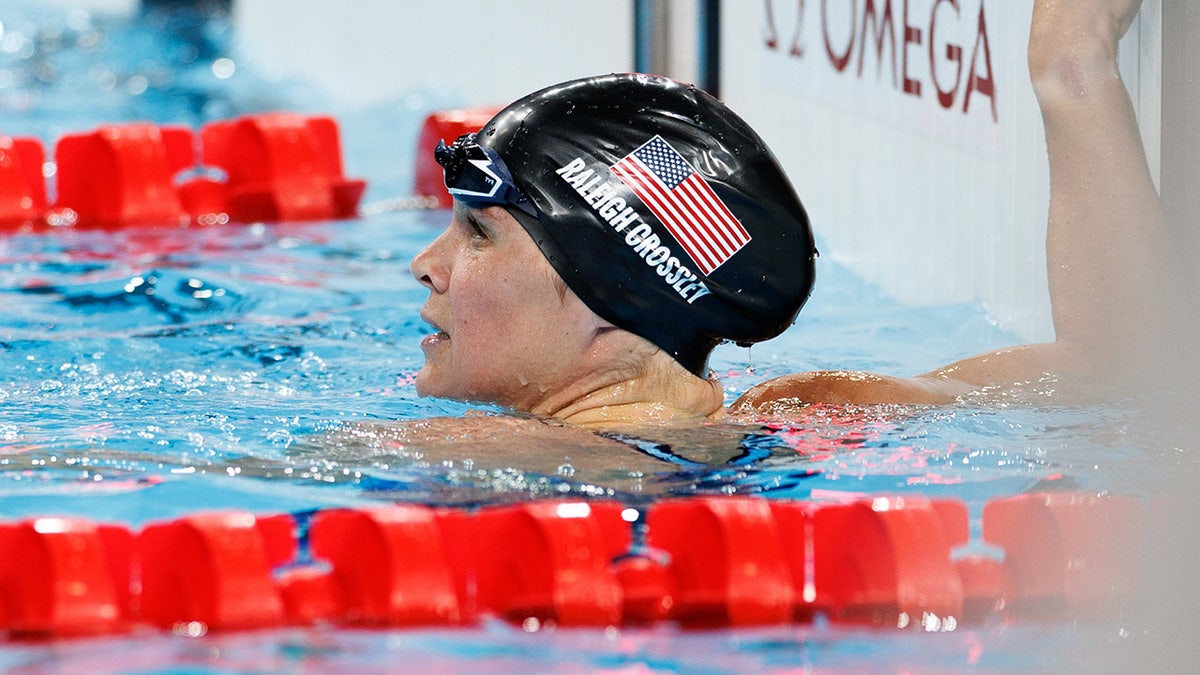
(1111, 269)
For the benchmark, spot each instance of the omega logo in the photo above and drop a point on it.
(897, 37)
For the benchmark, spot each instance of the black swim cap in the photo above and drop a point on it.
(661, 209)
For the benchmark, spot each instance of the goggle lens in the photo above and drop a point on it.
(477, 176)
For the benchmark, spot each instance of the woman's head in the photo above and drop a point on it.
(660, 209)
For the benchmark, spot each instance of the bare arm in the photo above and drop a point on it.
(1109, 262)
(1108, 259)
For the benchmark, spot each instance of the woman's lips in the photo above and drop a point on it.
(434, 339)
(437, 337)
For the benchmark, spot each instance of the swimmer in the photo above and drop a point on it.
(570, 284)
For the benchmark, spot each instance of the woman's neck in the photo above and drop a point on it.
(657, 389)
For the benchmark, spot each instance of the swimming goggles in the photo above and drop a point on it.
(476, 176)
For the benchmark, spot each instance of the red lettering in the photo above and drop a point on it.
(881, 29)
(912, 36)
(772, 37)
(953, 54)
(878, 33)
(797, 48)
(839, 61)
(983, 84)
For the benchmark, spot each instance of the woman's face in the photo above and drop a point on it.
(507, 330)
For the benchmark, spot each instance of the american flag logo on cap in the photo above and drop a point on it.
(684, 202)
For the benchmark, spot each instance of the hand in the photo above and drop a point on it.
(1068, 26)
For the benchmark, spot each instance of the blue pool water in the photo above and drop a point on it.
(146, 374)
(151, 373)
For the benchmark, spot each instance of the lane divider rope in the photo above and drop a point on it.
(277, 166)
(704, 562)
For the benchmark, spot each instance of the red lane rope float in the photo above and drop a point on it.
(282, 166)
(729, 561)
(277, 167)
(64, 576)
(123, 174)
(1067, 552)
(389, 566)
(211, 568)
(22, 187)
(887, 559)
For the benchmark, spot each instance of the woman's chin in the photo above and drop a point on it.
(425, 383)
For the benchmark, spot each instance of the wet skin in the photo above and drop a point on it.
(506, 333)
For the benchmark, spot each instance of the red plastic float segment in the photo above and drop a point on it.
(279, 538)
(282, 166)
(118, 542)
(548, 561)
(794, 521)
(204, 199)
(347, 192)
(1067, 551)
(389, 565)
(311, 594)
(444, 125)
(123, 174)
(985, 586)
(648, 589)
(727, 560)
(885, 560)
(955, 520)
(208, 568)
(983, 579)
(458, 527)
(56, 577)
(22, 187)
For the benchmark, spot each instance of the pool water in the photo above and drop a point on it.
(149, 373)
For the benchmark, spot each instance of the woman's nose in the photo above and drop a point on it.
(429, 269)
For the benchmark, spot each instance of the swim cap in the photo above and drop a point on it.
(660, 208)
